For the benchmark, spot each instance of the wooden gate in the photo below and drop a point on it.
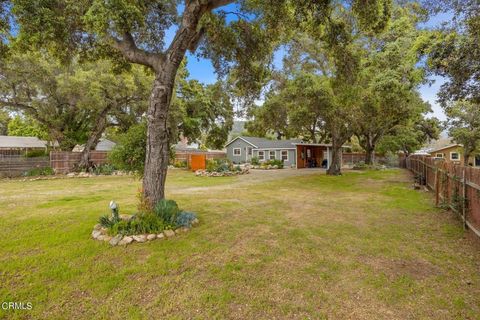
(198, 162)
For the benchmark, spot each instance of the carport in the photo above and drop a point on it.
(313, 155)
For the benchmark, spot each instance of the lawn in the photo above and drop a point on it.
(359, 246)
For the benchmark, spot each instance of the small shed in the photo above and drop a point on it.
(313, 155)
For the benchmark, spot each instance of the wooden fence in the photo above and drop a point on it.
(187, 155)
(14, 166)
(455, 186)
(352, 158)
(66, 161)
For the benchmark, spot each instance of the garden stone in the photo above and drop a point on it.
(125, 241)
(98, 226)
(96, 234)
(195, 222)
(182, 230)
(160, 236)
(140, 238)
(71, 174)
(107, 238)
(169, 233)
(115, 240)
(151, 237)
(101, 237)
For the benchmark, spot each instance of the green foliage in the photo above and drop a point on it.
(201, 113)
(166, 215)
(255, 161)
(27, 127)
(274, 162)
(464, 125)
(104, 169)
(410, 137)
(105, 221)
(185, 219)
(167, 211)
(4, 120)
(219, 165)
(129, 153)
(139, 224)
(73, 102)
(35, 153)
(180, 164)
(48, 171)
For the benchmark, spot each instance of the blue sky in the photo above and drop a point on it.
(202, 70)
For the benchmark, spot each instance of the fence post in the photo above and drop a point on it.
(464, 194)
(437, 188)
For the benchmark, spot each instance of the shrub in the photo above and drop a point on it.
(48, 171)
(167, 211)
(185, 219)
(166, 215)
(35, 154)
(219, 165)
(275, 162)
(106, 169)
(129, 153)
(255, 161)
(180, 164)
(360, 166)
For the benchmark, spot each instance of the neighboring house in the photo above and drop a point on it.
(102, 145)
(13, 145)
(294, 153)
(105, 145)
(454, 153)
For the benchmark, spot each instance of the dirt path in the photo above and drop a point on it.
(254, 177)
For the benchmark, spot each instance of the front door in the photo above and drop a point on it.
(477, 160)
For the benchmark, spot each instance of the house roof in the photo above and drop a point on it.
(105, 145)
(102, 145)
(21, 142)
(263, 143)
(445, 147)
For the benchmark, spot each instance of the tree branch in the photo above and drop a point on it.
(134, 54)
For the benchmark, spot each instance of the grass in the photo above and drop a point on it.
(361, 246)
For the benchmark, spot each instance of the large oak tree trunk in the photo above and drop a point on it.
(336, 164)
(369, 155)
(157, 153)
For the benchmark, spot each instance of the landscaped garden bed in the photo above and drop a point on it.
(267, 165)
(164, 221)
(222, 168)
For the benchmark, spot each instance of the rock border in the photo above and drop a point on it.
(205, 173)
(99, 233)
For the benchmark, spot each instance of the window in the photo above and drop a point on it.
(271, 155)
(237, 151)
(454, 156)
(439, 155)
(261, 155)
(284, 155)
(249, 149)
(309, 153)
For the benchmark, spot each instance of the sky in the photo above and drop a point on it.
(202, 70)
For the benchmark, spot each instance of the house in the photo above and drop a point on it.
(454, 153)
(14, 145)
(294, 153)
